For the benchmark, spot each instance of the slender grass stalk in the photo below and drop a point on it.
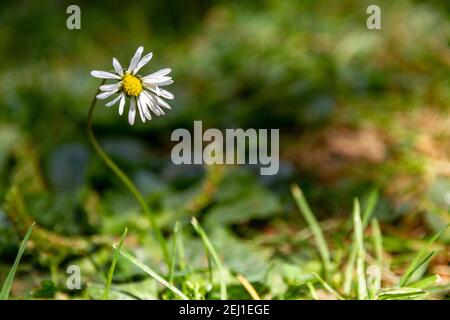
(360, 251)
(183, 265)
(126, 181)
(375, 283)
(377, 239)
(370, 207)
(180, 248)
(113, 266)
(152, 274)
(210, 248)
(421, 258)
(328, 287)
(315, 229)
(7, 285)
(312, 291)
(173, 255)
(210, 267)
(248, 286)
(349, 267)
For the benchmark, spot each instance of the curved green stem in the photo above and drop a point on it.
(126, 181)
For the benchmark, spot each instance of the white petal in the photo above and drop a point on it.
(106, 94)
(104, 74)
(132, 112)
(118, 67)
(165, 83)
(121, 104)
(153, 88)
(163, 103)
(143, 62)
(149, 95)
(157, 80)
(153, 104)
(158, 110)
(109, 87)
(113, 102)
(135, 59)
(141, 111)
(159, 73)
(166, 94)
(150, 86)
(144, 103)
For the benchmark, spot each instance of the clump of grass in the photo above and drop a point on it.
(367, 281)
(359, 279)
(177, 245)
(130, 258)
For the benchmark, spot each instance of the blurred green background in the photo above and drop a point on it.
(357, 109)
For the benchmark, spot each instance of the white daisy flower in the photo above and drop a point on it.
(145, 92)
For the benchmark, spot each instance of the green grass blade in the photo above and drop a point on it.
(328, 287)
(374, 284)
(370, 207)
(182, 263)
(315, 228)
(181, 253)
(360, 251)
(402, 293)
(421, 258)
(152, 274)
(173, 254)
(377, 239)
(210, 248)
(426, 282)
(349, 267)
(4, 294)
(414, 267)
(113, 266)
(312, 291)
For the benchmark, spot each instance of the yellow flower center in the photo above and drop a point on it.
(131, 85)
